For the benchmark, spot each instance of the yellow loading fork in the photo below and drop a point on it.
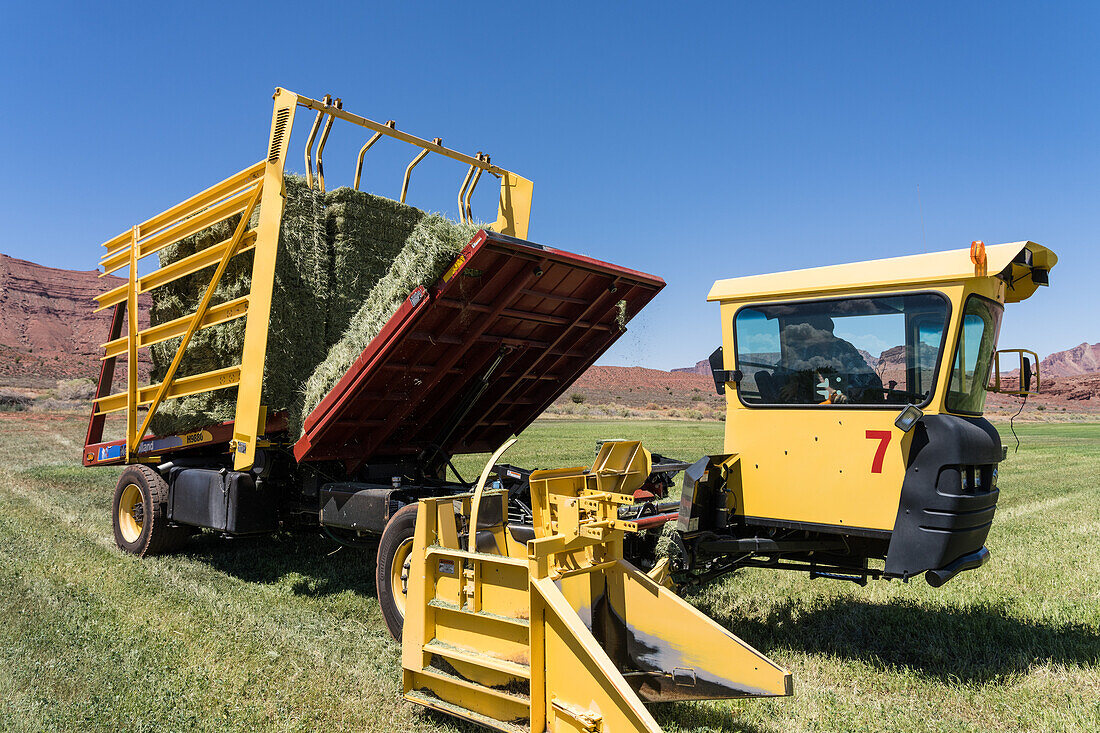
(561, 634)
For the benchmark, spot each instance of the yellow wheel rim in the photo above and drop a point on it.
(399, 574)
(130, 507)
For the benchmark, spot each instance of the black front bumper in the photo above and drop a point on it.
(948, 499)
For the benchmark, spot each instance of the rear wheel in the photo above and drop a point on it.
(391, 575)
(139, 514)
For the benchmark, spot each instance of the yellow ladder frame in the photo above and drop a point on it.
(260, 185)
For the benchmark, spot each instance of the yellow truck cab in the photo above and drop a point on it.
(854, 401)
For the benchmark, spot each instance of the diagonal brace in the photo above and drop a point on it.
(196, 320)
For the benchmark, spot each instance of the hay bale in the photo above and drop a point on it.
(297, 323)
(346, 261)
(429, 250)
(366, 233)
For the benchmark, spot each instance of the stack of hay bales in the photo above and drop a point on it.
(430, 249)
(365, 233)
(346, 261)
(297, 324)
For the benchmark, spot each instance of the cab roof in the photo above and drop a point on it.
(1015, 262)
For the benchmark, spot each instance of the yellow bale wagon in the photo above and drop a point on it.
(535, 600)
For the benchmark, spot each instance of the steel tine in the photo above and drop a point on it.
(363, 151)
(321, 146)
(409, 170)
(309, 143)
(473, 185)
(462, 193)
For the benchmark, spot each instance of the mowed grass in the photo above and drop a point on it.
(284, 634)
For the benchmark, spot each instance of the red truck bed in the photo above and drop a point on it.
(465, 364)
(461, 365)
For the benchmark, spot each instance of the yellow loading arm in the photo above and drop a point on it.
(258, 187)
(563, 634)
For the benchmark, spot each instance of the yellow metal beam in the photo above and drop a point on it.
(246, 428)
(197, 317)
(180, 268)
(214, 315)
(131, 343)
(181, 387)
(193, 225)
(199, 201)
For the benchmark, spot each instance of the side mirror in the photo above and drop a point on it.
(1026, 369)
(721, 375)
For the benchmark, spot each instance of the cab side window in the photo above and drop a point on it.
(757, 355)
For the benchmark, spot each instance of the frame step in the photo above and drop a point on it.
(427, 699)
(445, 606)
(480, 659)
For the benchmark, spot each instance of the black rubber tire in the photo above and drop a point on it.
(399, 530)
(156, 537)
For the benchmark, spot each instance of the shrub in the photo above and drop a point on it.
(76, 389)
(12, 401)
(578, 398)
(50, 404)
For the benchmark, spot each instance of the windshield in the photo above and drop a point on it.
(856, 351)
(973, 356)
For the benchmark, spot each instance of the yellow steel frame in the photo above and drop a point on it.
(238, 195)
(517, 627)
(258, 187)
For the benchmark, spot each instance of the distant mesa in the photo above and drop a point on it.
(1071, 375)
(49, 329)
(702, 367)
(1081, 359)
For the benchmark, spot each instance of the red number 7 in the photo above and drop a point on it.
(883, 438)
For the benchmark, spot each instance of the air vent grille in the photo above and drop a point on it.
(277, 139)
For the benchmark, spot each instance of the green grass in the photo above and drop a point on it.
(285, 635)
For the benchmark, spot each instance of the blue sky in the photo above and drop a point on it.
(696, 142)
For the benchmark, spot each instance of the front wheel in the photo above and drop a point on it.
(139, 514)
(391, 576)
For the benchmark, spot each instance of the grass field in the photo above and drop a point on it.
(285, 634)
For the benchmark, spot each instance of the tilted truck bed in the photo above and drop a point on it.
(477, 357)
(461, 365)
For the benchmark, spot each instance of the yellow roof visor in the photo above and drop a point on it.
(1022, 265)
